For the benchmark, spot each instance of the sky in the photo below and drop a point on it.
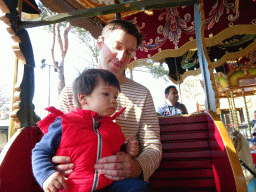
(42, 42)
(7, 58)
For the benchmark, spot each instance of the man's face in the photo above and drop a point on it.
(116, 51)
(173, 96)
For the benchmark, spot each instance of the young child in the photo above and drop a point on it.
(85, 134)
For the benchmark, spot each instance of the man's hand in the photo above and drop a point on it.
(63, 165)
(118, 167)
(54, 183)
(132, 147)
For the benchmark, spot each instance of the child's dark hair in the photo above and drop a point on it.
(86, 82)
(167, 90)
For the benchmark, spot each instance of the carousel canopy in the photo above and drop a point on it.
(168, 28)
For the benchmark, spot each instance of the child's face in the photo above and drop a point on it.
(253, 147)
(103, 100)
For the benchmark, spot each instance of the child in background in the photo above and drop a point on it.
(85, 134)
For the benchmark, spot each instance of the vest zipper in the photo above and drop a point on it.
(96, 125)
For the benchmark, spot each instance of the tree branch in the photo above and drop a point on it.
(53, 46)
(67, 30)
(59, 38)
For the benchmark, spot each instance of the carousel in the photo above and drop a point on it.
(191, 37)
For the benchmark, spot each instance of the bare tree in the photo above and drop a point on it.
(63, 44)
(84, 37)
(62, 41)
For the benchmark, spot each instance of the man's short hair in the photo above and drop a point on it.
(86, 82)
(167, 90)
(127, 26)
(254, 111)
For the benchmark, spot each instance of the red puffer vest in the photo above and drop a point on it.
(85, 140)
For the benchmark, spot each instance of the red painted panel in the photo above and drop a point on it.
(16, 170)
(184, 127)
(183, 119)
(171, 28)
(183, 184)
(187, 155)
(185, 136)
(185, 145)
(222, 170)
(254, 157)
(184, 174)
(188, 164)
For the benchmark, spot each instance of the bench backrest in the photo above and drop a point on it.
(194, 156)
(15, 163)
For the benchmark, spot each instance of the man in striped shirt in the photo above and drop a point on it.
(118, 42)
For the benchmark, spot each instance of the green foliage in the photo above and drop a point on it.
(158, 71)
(86, 38)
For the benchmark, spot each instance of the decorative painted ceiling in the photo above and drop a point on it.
(169, 33)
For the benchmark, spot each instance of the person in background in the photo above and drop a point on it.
(253, 148)
(252, 123)
(117, 45)
(85, 134)
(171, 106)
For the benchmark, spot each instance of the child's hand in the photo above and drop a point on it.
(132, 147)
(54, 183)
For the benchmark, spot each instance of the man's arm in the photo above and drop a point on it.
(184, 109)
(149, 138)
(66, 99)
(44, 151)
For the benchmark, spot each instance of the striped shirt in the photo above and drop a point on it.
(139, 118)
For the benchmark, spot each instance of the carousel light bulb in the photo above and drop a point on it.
(149, 12)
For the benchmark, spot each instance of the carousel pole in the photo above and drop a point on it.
(231, 116)
(12, 124)
(22, 109)
(178, 78)
(204, 59)
(236, 124)
(247, 114)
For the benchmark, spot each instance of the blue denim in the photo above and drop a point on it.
(128, 185)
